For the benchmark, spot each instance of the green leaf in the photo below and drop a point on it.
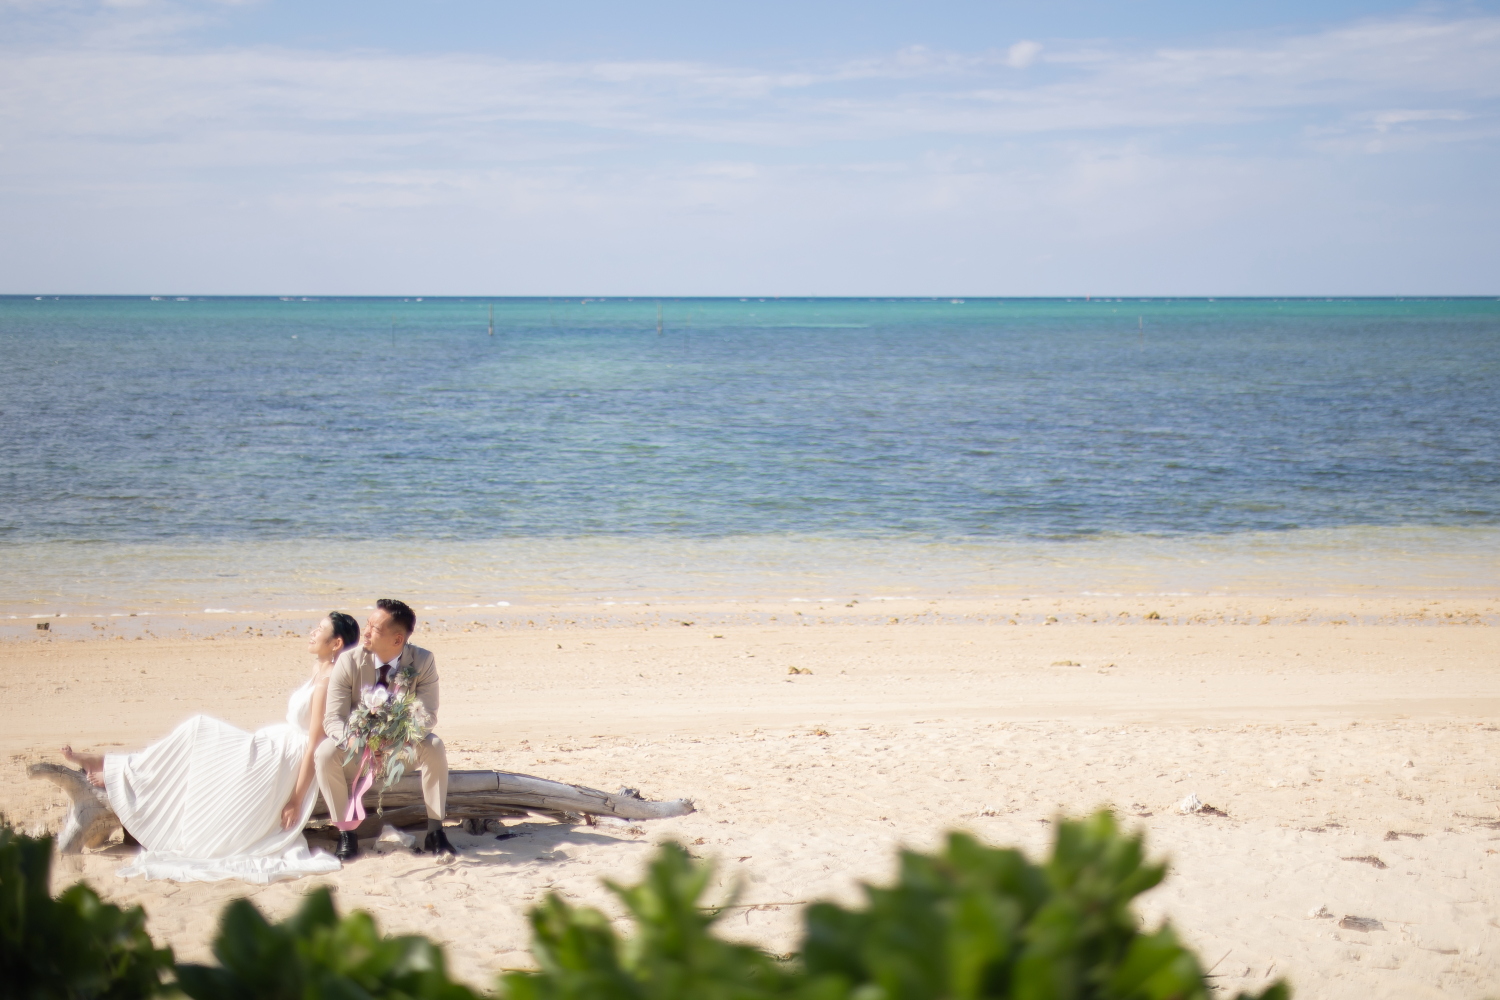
(74, 947)
(970, 922)
(967, 923)
(315, 955)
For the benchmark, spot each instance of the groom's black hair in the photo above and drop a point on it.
(400, 612)
(345, 628)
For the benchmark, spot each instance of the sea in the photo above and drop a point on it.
(193, 454)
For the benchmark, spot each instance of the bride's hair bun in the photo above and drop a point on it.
(345, 628)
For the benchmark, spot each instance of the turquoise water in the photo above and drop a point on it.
(314, 424)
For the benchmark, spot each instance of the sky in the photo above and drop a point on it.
(1007, 147)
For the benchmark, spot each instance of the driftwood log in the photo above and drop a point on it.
(472, 795)
(90, 820)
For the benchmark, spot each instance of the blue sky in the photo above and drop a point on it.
(1001, 148)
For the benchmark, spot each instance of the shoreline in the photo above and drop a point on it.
(277, 578)
(1113, 611)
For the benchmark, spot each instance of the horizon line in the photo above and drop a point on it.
(952, 298)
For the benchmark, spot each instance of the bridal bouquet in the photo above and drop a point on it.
(384, 729)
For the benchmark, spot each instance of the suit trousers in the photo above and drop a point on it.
(334, 776)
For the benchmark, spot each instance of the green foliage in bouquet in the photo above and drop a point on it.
(74, 946)
(315, 955)
(969, 922)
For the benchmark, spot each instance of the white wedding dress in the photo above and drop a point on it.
(205, 802)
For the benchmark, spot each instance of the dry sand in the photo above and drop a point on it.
(1356, 762)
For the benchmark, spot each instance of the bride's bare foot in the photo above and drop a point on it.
(92, 764)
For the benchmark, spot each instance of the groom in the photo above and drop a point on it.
(383, 651)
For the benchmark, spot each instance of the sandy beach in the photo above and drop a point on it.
(1350, 743)
(863, 424)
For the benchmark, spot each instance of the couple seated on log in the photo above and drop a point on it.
(210, 801)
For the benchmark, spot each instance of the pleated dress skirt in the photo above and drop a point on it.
(205, 802)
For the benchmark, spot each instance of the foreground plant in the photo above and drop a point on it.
(673, 955)
(969, 922)
(72, 947)
(315, 955)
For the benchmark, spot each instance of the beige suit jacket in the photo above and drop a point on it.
(355, 670)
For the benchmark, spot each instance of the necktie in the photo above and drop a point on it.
(382, 679)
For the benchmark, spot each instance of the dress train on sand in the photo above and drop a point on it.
(205, 801)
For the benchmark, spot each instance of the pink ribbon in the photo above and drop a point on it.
(363, 779)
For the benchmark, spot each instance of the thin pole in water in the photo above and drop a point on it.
(492, 319)
(1140, 325)
(658, 317)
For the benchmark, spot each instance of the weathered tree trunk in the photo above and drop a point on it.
(492, 794)
(90, 820)
(476, 795)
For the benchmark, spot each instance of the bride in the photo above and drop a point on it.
(211, 802)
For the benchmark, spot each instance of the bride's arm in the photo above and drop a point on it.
(292, 811)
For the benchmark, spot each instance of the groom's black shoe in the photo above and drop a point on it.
(437, 843)
(348, 846)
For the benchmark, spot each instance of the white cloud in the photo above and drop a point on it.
(1383, 120)
(870, 160)
(128, 91)
(1022, 54)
